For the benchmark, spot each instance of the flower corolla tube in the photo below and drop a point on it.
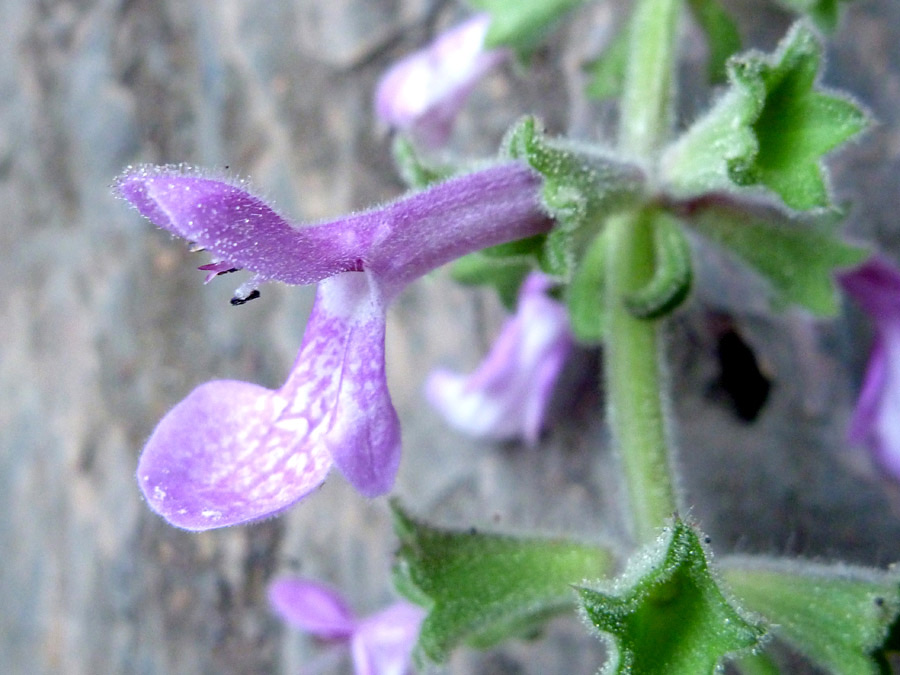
(235, 452)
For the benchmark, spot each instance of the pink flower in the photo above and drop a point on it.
(380, 644)
(507, 396)
(234, 452)
(876, 420)
(423, 93)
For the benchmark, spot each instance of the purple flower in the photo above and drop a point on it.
(876, 421)
(424, 92)
(234, 452)
(507, 396)
(380, 644)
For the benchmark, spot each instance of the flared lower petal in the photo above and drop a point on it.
(383, 643)
(230, 453)
(507, 396)
(312, 607)
(363, 436)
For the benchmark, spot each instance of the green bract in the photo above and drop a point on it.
(770, 129)
(666, 613)
(582, 186)
(522, 24)
(482, 588)
(838, 616)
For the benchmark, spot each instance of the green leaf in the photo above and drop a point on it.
(824, 13)
(771, 128)
(415, 171)
(797, 255)
(480, 588)
(837, 616)
(582, 186)
(756, 664)
(504, 275)
(666, 613)
(607, 72)
(721, 35)
(585, 294)
(672, 272)
(522, 24)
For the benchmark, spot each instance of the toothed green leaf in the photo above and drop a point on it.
(795, 254)
(522, 24)
(838, 616)
(480, 588)
(721, 35)
(771, 128)
(666, 613)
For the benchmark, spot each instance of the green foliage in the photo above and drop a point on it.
(607, 71)
(838, 616)
(825, 13)
(480, 588)
(522, 24)
(721, 35)
(415, 171)
(795, 254)
(666, 614)
(504, 275)
(672, 272)
(771, 128)
(585, 297)
(582, 186)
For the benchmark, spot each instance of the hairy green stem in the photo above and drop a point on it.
(634, 380)
(646, 104)
(633, 372)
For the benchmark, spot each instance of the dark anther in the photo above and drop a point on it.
(707, 539)
(473, 531)
(233, 269)
(240, 301)
(879, 601)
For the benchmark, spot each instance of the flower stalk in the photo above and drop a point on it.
(634, 379)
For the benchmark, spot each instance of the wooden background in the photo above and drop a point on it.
(104, 325)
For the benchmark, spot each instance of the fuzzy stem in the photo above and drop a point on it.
(634, 380)
(633, 372)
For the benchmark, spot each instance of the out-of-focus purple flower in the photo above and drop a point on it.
(507, 396)
(380, 644)
(423, 93)
(234, 452)
(876, 421)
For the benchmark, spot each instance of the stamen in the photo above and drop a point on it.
(235, 301)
